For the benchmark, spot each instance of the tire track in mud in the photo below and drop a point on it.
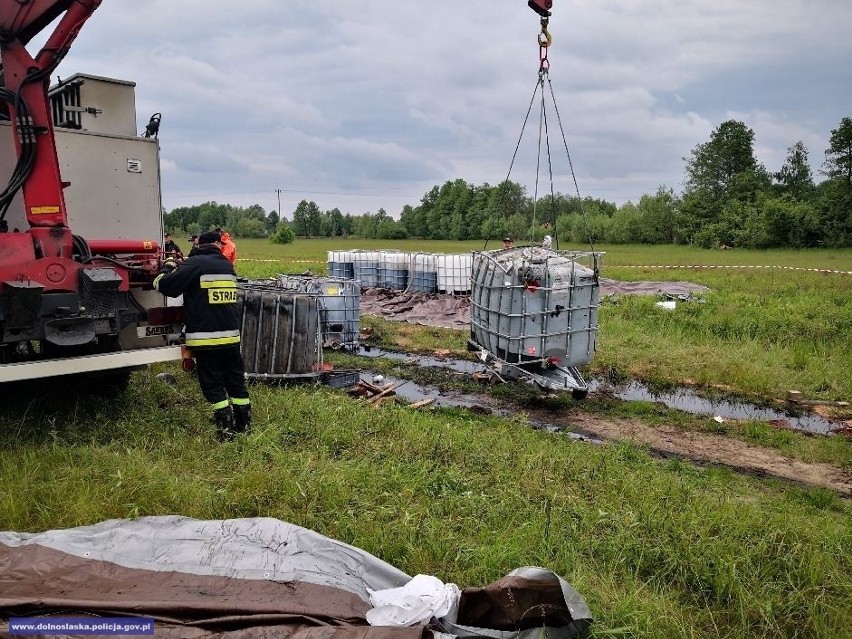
(716, 449)
(702, 448)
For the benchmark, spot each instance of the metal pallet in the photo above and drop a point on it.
(546, 375)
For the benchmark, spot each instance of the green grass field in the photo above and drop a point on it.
(616, 255)
(660, 548)
(760, 331)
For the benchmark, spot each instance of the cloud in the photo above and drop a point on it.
(775, 133)
(360, 104)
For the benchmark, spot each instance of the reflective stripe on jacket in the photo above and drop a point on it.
(212, 338)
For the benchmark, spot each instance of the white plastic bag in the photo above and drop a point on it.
(415, 603)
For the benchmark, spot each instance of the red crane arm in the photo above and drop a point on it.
(24, 19)
(26, 80)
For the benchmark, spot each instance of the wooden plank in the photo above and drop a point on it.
(389, 389)
(377, 402)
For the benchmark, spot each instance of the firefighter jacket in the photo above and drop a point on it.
(208, 284)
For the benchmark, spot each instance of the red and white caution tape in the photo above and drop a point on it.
(658, 266)
(289, 261)
(702, 266)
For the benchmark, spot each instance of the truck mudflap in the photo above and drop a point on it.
(88, 363)
(71, 331)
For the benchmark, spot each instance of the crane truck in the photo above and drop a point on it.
(81, 215)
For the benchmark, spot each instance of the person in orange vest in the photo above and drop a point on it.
(229, 249)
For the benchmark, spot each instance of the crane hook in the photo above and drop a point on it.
(545, 39)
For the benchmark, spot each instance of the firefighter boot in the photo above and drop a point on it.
(242, 418)
(225, 429)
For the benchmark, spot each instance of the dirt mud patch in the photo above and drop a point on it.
(704, 448)
(716, 449)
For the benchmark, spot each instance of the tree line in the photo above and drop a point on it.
(728, 199)
(251, 221)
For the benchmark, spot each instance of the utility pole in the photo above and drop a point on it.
(278, 191)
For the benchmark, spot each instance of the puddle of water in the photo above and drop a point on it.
(680, 399)
(690, 402)
(412, 392)
(416, 392)
(577, 434)
(459, 365)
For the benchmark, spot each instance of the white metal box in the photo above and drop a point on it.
(94, 103)
(115, 184)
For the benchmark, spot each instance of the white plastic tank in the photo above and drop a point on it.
(393, 270)
(340, 264)
(340, 307)
(453, 273)
(366, 267)
(423, 273)
(535, 304)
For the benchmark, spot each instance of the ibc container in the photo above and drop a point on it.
(340, 306)
(423, 273)
(393, 270)
(531, 303)
(366, 267)
(280, 333)
(340, 264)
(453, 273)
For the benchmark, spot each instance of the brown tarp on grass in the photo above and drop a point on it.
(253, 578)
(245, 577)
(35, 580)
(426, 309)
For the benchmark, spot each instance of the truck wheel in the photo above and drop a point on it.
(112, 384)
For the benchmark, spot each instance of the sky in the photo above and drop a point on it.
(361, 104)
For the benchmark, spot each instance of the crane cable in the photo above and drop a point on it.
(545, 39)
(544, 42)
(571, 169)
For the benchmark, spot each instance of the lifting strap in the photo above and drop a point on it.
(545, 40)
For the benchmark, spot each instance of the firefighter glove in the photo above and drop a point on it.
(168, 266)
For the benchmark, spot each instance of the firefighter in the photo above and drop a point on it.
(208, 284)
